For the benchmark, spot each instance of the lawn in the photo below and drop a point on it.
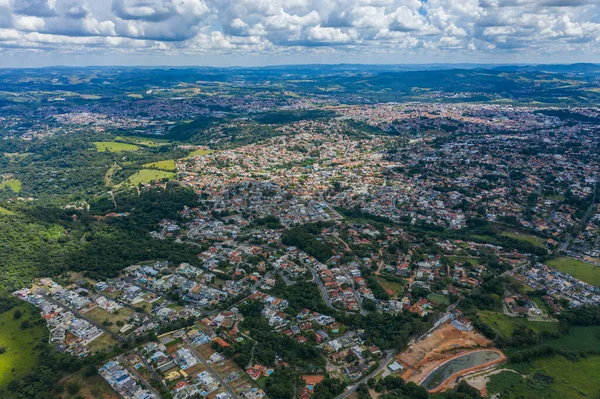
(463, 259)
(113, 146)
(21, 346)
(13, 184)
(576, 268)
(147, 176)
(168, 165)
(100, 316)
(438, 298)
(199, 153)
(535, 240)
(505, 325)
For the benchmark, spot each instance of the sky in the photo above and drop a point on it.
(37, 33)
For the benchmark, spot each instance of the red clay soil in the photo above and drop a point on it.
(445, 385)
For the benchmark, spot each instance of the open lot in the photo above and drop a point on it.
(505, 325)
(109, 319)
(20, 345)
(94, 387)
(578, 269)
(444, 343)
(199, 153)
(147, 176)
(113, 146)
(570, 379)
(168, 165)
(391, 287)
(535, 240)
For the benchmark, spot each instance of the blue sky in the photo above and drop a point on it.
(266, 32)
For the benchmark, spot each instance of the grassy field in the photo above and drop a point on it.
(391, 287)
(4, 211)
(570, 380)
(94, 387)
(578, 338)
(21, 345)
(13, 184)
(463, 259)
(147, 176)
(113, 146)
(504, 325)
(199, 153)
(104, 343)
(438, 298)
(168, 165)
(144, 141)
(581, 270)
(537, 241)
(100, 316)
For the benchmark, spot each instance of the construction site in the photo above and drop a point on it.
(438, 349)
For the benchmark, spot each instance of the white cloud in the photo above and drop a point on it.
(275, 26)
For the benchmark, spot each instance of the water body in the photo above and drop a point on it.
(437, 377)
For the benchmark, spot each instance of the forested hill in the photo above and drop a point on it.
(50, 241)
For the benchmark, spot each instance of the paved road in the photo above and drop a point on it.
(139, 377)
(80, 315)
(127, 305)
(382, 366)
(584, 222)
(208, 366)
(150, 368)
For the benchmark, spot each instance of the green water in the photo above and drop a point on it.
(469, 360)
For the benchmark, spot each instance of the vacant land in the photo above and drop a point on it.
(20, 345)
(199, 153)
(576, 268)
(464, 259)
(113, 146)
(535, 240)
(94, 387)
(392, 288)
(568, 379)
(13, 184)
(168, 165)
(438, 298)
(147, 176)
(443, 343)
(143, 141)
(109, 320)
(505, 325)
(104, 343)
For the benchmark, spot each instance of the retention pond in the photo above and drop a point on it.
(473, 359)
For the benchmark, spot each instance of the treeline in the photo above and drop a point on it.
(49, 241)
(529, 355)
(270, 345)
(283, 117)
(306, 238)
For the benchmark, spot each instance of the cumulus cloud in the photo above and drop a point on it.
(468, 27)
